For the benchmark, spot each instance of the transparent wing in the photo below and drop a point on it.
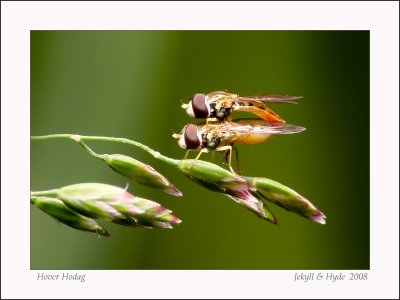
(281, 129)
(264, 128)
(273, 98)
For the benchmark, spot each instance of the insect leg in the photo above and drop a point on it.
(237, 160)
(213, 155)
(187, 154)
(225, 158)
(204, 150)
(227, 148)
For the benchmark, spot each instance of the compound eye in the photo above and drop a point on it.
(200, 106)
(192, 138)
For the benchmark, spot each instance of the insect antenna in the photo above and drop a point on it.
(184, 105)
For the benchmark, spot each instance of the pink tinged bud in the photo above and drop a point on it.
(162, 214)
(94, 199)
(287, 198)
(217, 179)
(142, 212)
(103, 201)
(174, 192)
(158, 224)
(58, 210)
(175, 220)
(269, 215)
(211, 176)
(77, 205)
(318, 217)
(140, 172)
(256, 208)
(253, 204)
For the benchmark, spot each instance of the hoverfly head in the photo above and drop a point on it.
(198, 106)
(189, 138)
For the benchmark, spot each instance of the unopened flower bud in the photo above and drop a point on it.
(212, 176)
(92, 199)
(252, 203)
(217, 179)
(287, 198)
(145, 213)
(140, 172)
(58, 210)
(103, 201)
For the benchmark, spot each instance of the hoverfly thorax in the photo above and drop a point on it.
(212, 140)
(198, 106)
(189, 138)
(221, 112)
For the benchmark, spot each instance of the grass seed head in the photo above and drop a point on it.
(287, 198)
(141, 173)
(61, 212)
(103, 201)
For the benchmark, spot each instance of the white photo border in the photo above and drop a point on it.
(18, 18)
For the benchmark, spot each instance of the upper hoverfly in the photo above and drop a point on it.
(218, 136)
(221, 105)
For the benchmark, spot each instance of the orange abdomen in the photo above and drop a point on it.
(251, 138)
(264, 113)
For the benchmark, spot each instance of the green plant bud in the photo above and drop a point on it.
(287, 198)
(140, 172)
(103, 201)
(217, 179)
(161, 214)
(143, 212)
(92, 199)
(252, 203)
(212, 176)
(269, 215)
(58, 210)
(149, 224)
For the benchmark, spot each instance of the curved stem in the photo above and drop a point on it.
(91, 152)
(78, 138)
(49, 193)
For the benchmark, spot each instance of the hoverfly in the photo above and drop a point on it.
(222, 136)
(221, 105)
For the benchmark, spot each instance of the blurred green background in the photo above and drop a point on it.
(131, 83)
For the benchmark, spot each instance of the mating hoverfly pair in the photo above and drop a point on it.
(219, 132)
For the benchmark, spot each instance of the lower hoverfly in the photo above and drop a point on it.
(221, 105)
(221, 136)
